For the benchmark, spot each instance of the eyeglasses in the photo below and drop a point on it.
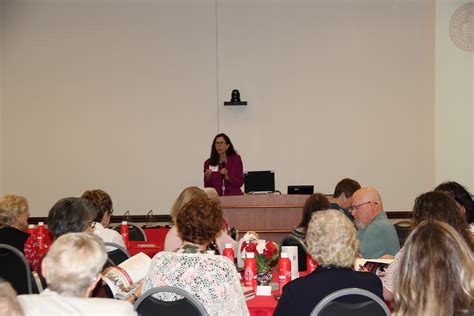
(354, 208)
(92, 224)
(220, 143)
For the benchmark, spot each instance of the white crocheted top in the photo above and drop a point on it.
(213, 279)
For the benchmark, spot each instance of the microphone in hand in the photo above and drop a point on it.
(223, 165)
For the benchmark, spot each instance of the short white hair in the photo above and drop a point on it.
(331, 239)
(73, 262)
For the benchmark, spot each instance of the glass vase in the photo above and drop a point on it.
(264, 278)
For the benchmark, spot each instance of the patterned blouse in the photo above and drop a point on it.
(32, 252)
(213, 279)
(391, 272)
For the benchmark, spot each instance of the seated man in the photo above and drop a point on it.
(341, 199)
(72, 268)
(376, 234)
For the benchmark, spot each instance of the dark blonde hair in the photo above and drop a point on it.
(184, 197)
(440, 206)
(436, 275)
(199, 221)
(315, 202)
(101, 201)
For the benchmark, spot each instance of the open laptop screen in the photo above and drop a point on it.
(259, 181)
(300, 189)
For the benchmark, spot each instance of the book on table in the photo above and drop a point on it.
(124, 279)
(249, 292)
(375, 266)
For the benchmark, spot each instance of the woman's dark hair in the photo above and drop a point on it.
(214, 159)
(439, 206)
(199, 221)
(460, 195)
(100, 200)
(70, 215)
(315, 202)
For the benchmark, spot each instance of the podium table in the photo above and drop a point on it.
(272, 216)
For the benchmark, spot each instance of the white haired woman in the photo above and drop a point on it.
(332, 242)
(72, 268)
(14, 213)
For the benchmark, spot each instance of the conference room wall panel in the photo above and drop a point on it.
(103, 94)
(127, 95)
(454, 99)
(2, 10)
(334, 90)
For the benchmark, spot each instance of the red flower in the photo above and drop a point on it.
(252, 247)
(270, 246)
(267, 254)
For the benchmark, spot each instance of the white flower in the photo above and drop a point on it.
(261, 246)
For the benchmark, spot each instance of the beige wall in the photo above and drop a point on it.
(454, 102)
(127, 95)
(2, 10)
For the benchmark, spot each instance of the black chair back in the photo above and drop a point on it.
(15, 269)
(116, 256)
(403, 229)
(291, 240)
(189, 305)
(371, 304)
(134, 232)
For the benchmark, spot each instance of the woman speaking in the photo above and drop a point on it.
(223, 171)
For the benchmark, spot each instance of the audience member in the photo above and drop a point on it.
(72, 268)
(104, 208)
(315, 202)
(376, 234)
(71, 215)
(461, 196)
(172, 239)
(14, 213)
(212, 279)
(9, 305)
(341, 199)
(333, 243)
(428, 206)
(436, 273)
(212, 194)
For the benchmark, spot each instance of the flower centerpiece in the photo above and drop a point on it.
(266, 254)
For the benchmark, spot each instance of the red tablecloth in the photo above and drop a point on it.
(156, 235)
(262, 305)
(148, 248)
(265, 305)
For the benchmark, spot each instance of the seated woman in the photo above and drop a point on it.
(172, 239)
(436, 273)
(14, 213)
(428, 206)
(332, 242)
(315, 202)
(212, 279)
(69, 215)
(72, 268)
(103, 205)
(462, 197)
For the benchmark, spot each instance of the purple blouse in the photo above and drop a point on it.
(235, 171)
